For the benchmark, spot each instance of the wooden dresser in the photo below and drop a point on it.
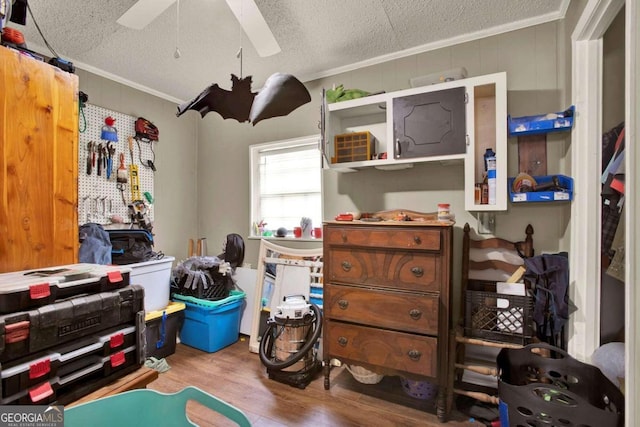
(387, 299)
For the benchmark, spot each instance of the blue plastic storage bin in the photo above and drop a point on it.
(212, 325)
(544, 196)
(543, 123)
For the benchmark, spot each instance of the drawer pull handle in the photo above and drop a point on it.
(343, 304)
(417, 271)
(415, 314)
(343, 341)
(414, 355)
(417, 239)
(346, 265)
(344, 237)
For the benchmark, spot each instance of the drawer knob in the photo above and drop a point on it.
(343, 341)
(417, 271)
(343, 304)
(346, 266)
(415, 314)
(414, 355)
(417, 239)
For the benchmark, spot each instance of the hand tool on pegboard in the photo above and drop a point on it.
(134, 178)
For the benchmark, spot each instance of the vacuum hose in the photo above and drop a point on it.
(267, 341)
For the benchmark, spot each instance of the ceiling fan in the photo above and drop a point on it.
(246, 12)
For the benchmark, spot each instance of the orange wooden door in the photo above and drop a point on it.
(38, 164)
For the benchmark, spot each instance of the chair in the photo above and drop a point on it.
(489, 321)
(145, 407)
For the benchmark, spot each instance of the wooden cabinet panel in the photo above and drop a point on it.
(407, 312)
(390, 349)
(38, 164)
(399, 269)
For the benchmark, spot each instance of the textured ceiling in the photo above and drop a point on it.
(317, 37)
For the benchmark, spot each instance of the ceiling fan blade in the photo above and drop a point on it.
(254, 26)
(143, 12)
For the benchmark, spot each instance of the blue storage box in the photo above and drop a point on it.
(543, 123)
(212, 325)
(544, 196)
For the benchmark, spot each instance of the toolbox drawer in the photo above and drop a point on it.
(27, 332)
(23, 290)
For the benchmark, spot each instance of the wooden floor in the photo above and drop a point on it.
(237, 376)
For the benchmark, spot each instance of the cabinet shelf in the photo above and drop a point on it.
(481, 125)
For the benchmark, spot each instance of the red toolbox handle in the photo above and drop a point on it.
(40, 392)
(116, 340)
(114, 276)
(15, 332)
(39, 291)
(117, 359)
(39, 369)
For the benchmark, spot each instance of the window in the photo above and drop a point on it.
(286, 184)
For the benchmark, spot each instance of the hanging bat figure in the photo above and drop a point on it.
(281, 94)
(233, 104)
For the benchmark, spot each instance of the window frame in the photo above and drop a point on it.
(254, 165)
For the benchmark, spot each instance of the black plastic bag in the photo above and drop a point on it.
(131, 246)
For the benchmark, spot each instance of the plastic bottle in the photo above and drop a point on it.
(490, 161)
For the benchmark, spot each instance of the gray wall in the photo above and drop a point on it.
(175, 182)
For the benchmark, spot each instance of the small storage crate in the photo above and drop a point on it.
(566, 194)
(162, 329)
(354, 147)
(561, 391)
(542, 123)
(499, 317)
(212, 325)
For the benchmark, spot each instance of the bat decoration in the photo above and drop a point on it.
(233, 104)
(281, 94)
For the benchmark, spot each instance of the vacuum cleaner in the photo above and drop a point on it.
(287, 347)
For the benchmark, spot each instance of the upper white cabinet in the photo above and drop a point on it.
(456, 120)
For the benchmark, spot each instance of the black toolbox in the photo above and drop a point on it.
(22, 290)
(29, 371)
(26, 332)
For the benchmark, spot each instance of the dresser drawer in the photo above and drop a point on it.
(414, 271)
(391, 310)
(395, 350)
(389, 237)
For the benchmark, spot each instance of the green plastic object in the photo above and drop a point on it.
(145, 407)
(148, 196)
(234, 295)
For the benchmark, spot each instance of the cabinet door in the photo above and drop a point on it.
(429, 124)
(38, 164)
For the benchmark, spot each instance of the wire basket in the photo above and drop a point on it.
(363, 375)
(423, 390)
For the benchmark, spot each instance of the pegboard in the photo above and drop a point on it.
(98, 196)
